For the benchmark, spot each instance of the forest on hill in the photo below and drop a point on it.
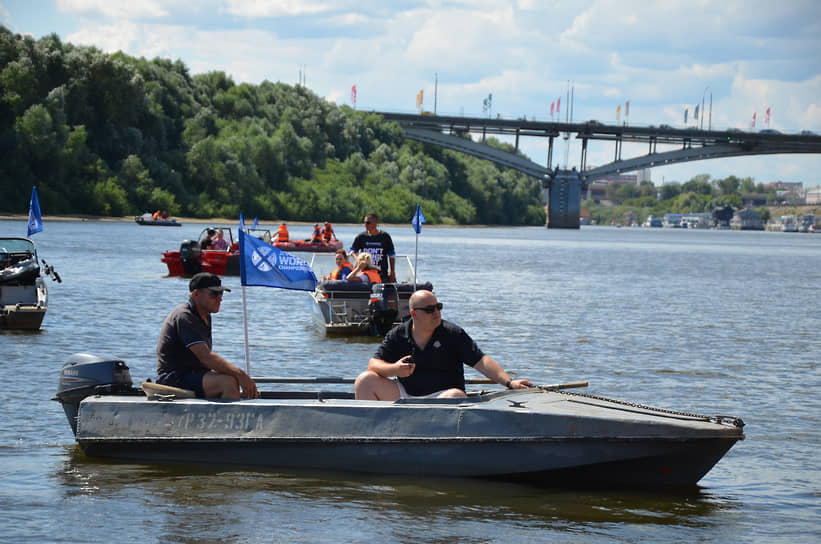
(113, 135)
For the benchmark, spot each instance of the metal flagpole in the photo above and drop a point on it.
(245, 326)
(415, 261)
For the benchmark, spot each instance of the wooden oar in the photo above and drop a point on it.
(337, 380)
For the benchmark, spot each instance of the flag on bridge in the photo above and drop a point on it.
(35, 219)
(264, 265)
(353, 96)
(551, 108)
(767, 118)
(753, 125)
(558, 103)
(618, 112)
(419, 98)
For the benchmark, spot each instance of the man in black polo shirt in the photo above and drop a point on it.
(425, 354)
(184, 355)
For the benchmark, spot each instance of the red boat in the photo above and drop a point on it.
(190, 258)
(296, 245)
(306, 245)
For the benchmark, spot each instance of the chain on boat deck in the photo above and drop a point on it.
(716, 418)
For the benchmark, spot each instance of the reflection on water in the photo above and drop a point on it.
(361, 503)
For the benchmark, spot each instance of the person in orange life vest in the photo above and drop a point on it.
(156, 215)
(344, 267)
(282, 233)
(316, 236)
(364, 270)
(328, 232)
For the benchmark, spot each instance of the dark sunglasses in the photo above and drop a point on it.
(215, 294)
(367, 222)
(430, 309)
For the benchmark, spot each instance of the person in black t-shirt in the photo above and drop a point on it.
(380, 245)
(423, 357)
(185, 357)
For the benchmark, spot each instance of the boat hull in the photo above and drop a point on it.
(542, 437)
(23, 307)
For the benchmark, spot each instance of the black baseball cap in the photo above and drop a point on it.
(204, 280)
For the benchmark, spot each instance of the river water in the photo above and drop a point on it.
(714, 322)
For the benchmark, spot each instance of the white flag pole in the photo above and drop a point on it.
(245, 326)
(415, 260)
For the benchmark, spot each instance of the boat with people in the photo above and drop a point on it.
(191, 258)
(150, 220)
(23, 291)
(545, 435)
(344, 308)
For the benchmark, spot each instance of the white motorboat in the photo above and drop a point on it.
(355, 309)
(23, 292)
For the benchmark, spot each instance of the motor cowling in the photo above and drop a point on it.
(83, 375)
(383, 307)
(191, 257)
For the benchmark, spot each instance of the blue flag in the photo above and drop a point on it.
(418, 219)
(241, 222)
(255, 223)
(264, 265)
(35, 220)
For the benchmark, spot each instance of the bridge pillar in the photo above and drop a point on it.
(564, 200)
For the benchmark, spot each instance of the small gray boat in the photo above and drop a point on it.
(544, 435)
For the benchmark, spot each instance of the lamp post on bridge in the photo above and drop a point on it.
(701, 120)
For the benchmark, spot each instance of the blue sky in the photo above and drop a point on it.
(662, 57)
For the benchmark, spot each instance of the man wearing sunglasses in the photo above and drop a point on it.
(380, 245)
(184, 355)
(423, 357)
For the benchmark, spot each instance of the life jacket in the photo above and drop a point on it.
(373, 275)
(282, 233)
(156, 215)
(327, 232)
(317, 235)
(335, 275)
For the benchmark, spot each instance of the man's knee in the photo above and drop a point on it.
(453, 393)
(220, 386)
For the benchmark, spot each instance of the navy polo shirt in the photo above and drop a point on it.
(439, 364)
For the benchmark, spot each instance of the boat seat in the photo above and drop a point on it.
(337, 286)
(153, 390)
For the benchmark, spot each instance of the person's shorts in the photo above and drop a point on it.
(404, 394)
(190, 380)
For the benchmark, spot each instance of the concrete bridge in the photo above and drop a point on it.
(565, 186)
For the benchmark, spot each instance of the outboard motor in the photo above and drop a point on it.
(383, 307)
(84, 375)
(191, 257)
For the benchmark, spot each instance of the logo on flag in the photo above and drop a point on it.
(264, 265)
(35, 219)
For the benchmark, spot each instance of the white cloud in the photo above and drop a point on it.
(114, 9)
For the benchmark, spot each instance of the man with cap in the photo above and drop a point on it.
(184, 355)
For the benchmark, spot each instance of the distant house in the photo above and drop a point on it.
(723, 216)
(754, 199)
(747, 219)
(814, 196)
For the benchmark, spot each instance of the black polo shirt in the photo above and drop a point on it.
(439, 364)
(182, 328)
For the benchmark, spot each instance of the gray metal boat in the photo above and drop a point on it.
(545, 435)
(23, 291)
